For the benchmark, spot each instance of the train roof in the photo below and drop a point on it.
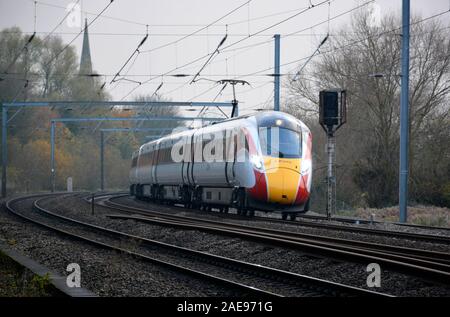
(263, 118)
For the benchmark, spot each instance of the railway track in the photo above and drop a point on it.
(423, 263)
(234, 274)
(390, 233)
(342, 228)
(369, 222)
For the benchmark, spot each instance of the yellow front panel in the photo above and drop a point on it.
(282, 179)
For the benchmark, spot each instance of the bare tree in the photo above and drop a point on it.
(56, 67)
(366, 62)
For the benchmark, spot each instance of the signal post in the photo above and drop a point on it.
(332, 115)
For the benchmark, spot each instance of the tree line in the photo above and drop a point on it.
(362, 58)
(365, 59)
(43, 70)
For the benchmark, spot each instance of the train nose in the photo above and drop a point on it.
(283, 181)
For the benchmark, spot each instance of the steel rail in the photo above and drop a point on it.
(289, 277)
(390, 233)
(441, 257)
(368, 221)
(181, 269)
(417, 266)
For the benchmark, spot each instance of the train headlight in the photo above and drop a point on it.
(306, 166)
(257, 162)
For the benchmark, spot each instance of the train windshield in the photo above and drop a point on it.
(280, 142)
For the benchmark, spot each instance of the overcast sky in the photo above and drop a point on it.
(116, 34)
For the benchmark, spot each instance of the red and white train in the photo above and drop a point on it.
(252, 162)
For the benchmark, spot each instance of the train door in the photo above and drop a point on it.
(150, 163)
(231, 150)
(138, 170)
(189, 164)
(186, 163)
(155, 162)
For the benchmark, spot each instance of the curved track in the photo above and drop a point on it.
(366, 221)
(342, 228)
(423, 263)
(234, 274)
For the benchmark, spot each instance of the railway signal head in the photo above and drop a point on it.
(332, 109)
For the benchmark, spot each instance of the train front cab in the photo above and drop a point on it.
(283, 167)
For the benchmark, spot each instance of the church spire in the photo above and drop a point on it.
(85, 62)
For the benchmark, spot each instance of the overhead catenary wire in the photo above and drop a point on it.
(135, 52)
(199, 30)
(342, 46)
(157, 89)
(164, 25)
(337, 48)
(25, 47)
(160, 34)
(79, 33)
(293, 33)
(265, 16)
(125, 75)
(184, 75)
(250, 35)
(310, 57)
(60, 22)
(276, 24)
(19, 91)
(259, 73)
(261, 104)
(214, 99)
(236, 42)
(298, 32)
(220, 92)
(179, 67)
(365, 39)
(215, 52)
(239, 41)
(251, 45)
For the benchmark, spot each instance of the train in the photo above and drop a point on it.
(256, 162)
